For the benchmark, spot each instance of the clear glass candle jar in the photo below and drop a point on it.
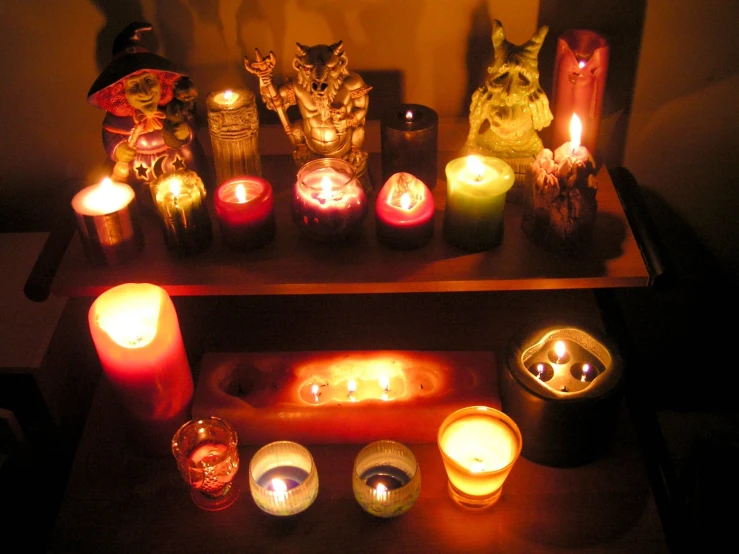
(328, 202)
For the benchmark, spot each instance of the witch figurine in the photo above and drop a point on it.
(150, 107)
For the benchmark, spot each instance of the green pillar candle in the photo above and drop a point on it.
(476, 194)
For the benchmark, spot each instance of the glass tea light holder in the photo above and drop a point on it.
(409, 142)
(136, 333)
(580, 74)
(108, 223)
(207, 455)
(328, 203)
(283, 478)
(479, 446)
(245, 209)
(559, 202)
(561, 382)
(386, 479)
(476, 198)
(233, 123)
(179, 198)
(404, 212)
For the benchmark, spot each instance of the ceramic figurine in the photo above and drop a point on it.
(150, 106)
(509, 108)
(332, 100)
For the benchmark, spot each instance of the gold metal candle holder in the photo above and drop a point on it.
(233, 122)
(561, 383)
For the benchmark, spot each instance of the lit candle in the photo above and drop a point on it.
(245, 209)
(179, 197)
(328, 201)
(108, 222)
(137, 337)
(283, 478)
(580, 71)
(409, 138)
(479, 446)
(404, 212)
(476, 194)
(233, 122)
(560, 206)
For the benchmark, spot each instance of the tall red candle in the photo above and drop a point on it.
(245, 209)
(580, 72)
(404, 212)
(137, 336)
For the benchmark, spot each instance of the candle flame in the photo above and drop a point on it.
(240, 193)
(105, 185)
(175, 186)
(560, 349)
(476, 167)
(325, 187)
(279, 486)
(385, 383)
(477, 466)
(352, 386)
(409, 116)
(539, 370)
(581, 64)
(585, 369)
(575, 132)
(381, 491)
(405, 201)
(131, 326)
(228, 95)
(314, 392)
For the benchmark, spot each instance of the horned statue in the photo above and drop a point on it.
(509, 108)
(332, 101)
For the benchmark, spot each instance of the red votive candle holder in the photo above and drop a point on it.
(245, 209)
(404, 212)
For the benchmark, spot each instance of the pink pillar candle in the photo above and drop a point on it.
(404, 212)
(245, 209)
(136, 333)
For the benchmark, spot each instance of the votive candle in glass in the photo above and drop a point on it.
(404, 212)
(409, 138)
(245, 210)
(108, 223)
(479, 445)
(283, 478)
(386, 479)
(476, 197)
(328, 201)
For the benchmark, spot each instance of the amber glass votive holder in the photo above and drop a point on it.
(386, 479)
(479, 446)
(283, 478)
(207, 455)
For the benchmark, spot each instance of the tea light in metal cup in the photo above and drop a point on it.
(207, 456)
(283, 478)
(479, 446)
(561, 382)
(386, 479)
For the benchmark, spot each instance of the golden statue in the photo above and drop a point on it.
(332, 100)
(509, 108)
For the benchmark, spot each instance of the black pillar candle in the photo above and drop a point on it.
(409, 135)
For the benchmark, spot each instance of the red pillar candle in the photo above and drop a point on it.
(245, 209)
(404, 212)
(580, 71)
(328, 202)
(136, 333)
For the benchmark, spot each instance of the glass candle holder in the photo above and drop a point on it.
(179, 197)
(245, 209)
(404, 212)
(283, 478)
(386, 479)
(409, 137)
(207, 455)
(479, 446)
(328, 201)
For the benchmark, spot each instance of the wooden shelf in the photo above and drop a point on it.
(293, 264)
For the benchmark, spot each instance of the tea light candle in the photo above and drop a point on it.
(136, 333)
(562, 385)
(108, 223)
(233, 122)
(580, 73)
(245, 209)
(404, 212)
(476, 194)
(179, 197)
(479, 446)
(386, 480)
(283, 478)
(328, 201)
(409, 139)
